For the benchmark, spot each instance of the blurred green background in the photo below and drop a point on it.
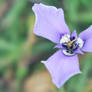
(21, 51)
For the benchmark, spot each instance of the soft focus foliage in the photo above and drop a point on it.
(21, 51)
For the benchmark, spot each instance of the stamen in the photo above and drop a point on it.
(70, 44)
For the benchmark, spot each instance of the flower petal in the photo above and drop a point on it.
(74, 33)
(49, 22)
(62, 67)
(78, 51)
(86, 34)
(58, 46)
(87, 46)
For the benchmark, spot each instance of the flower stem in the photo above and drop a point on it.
(61, 89)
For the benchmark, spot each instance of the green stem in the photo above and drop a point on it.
(61, 89)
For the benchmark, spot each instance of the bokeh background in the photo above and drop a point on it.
(21, 51)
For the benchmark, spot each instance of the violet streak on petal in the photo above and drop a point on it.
(62, 67)
(49, 22)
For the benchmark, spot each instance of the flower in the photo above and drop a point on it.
(51, 25)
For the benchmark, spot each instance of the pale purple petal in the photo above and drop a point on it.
(74, 33)
(62, 67)
(58, 46)
(86, 34)
(78, 51)
(49, 22)
(87, 46)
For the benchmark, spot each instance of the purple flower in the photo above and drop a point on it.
(51, 25)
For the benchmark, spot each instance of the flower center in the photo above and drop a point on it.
(70, 44)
